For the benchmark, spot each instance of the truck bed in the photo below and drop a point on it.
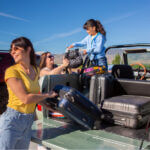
(57, 134)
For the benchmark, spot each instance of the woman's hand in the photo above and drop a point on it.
(47, 106)
(84, 52)
(52, 94)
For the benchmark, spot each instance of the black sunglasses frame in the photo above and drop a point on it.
(51, 56)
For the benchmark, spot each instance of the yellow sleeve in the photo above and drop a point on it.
(11, 73)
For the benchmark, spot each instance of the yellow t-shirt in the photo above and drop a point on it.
(32, 86)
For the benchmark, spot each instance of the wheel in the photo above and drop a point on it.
(144, 68)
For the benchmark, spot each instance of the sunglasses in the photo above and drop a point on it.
(15, 49)
(51, 56)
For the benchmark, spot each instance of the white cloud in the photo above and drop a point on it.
(115, 19)
(59, 35)
(13, 17)
(62, 35)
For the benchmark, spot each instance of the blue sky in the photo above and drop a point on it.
(52, 25)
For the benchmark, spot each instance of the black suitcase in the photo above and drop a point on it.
(48, 82)
(78, 108)
(101, 87)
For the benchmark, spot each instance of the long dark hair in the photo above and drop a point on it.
(25, 43)
(95, 23)
(43, 60)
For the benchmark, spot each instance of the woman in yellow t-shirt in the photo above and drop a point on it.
(23, 89)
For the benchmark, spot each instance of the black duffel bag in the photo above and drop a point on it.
(74, 57)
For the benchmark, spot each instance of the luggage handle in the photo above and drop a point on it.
(70, 97)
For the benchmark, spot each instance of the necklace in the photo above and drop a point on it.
(29, 71)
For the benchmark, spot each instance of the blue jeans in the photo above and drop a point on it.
(101, 62)
(15, 129)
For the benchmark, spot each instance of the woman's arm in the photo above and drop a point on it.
(18, 88)
(52, 72)
(56, 70)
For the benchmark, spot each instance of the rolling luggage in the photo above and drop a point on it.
(126, 100)
(128, 110)
(50, 81)
(101, 87)
(78, 108)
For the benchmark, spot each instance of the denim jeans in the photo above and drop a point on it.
(101, 62)
(15, 129)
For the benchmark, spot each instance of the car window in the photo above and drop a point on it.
(115, 56)
(142, 58)
(129, 55)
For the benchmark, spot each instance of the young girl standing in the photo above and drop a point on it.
(94, 42)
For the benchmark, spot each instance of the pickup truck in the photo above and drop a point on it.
(62, 133)
(5, 61)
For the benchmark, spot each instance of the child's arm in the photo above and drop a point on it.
(79, 44)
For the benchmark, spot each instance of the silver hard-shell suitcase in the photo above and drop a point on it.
(128, 101)
(50, 81)
(101, 86)
(128, 110)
